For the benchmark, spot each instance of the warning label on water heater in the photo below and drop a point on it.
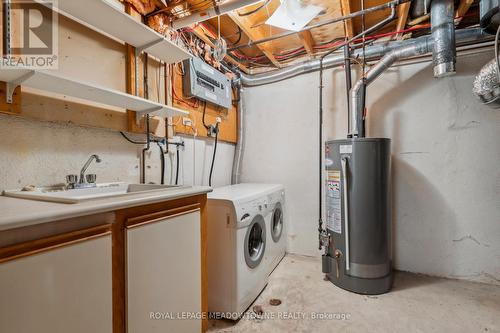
(333, 201)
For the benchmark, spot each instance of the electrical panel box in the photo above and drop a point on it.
(206, 83)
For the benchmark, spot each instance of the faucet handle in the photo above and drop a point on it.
(71, 179)
(91, 178)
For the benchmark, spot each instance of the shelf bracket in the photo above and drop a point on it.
(139, 114)
(11, 86)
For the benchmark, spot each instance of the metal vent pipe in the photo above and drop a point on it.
(421, 46)
(444, 54)
(463, 37)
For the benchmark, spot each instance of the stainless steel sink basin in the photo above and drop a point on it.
(105, 190)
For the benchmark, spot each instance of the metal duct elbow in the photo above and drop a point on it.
(486, 85)
(443, 32)
(420, 46)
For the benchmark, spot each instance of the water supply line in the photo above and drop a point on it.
(240, 144)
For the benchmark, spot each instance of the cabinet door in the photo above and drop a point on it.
(65, 289)
(164, 275)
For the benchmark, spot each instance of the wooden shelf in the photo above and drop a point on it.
(109, 18)
(47, 81)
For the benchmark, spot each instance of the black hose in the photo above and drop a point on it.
(204, 112)
(162, 159)
(177, 167)
(213, 157)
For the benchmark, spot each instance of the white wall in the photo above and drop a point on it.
(43, 153)
(446, 178)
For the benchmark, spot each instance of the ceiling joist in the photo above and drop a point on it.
(308, 41)
(245, 25)
(463, 7)
(403, 11)
(345, 6)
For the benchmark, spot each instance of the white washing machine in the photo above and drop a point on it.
(238, 246)
(275, 222)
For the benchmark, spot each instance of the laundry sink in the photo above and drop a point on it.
(104, 190)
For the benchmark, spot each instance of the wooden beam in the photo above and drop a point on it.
(403, 11)
(308, 41)
(462, 9)
(419, 20)
(245, 25)
(203, 34)
(130, 78)
(345, 6)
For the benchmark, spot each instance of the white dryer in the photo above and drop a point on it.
(275, 222)
(237, 246)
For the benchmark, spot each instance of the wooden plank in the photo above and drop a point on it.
(462, 9)
(132, 125)
(419, 20)
(245, 25)
(345, 6)
(308, 41)
(403, 11)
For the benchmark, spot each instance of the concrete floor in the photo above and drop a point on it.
(416, 304)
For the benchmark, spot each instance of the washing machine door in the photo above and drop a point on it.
(277, 223)
(255, 241)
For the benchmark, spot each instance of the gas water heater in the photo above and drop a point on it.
(358, 215)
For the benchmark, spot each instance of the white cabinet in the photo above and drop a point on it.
(163, 274)
(59, 290)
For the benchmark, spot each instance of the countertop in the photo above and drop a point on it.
(15, 213)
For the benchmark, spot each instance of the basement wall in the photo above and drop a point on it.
(43, 153)
(445, 159)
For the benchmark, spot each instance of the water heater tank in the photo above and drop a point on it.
(358, 215)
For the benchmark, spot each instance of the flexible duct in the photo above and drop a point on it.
(443, 31)
(465, 36)
(486, 86)
(238, 151)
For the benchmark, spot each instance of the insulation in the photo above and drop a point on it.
(159, 22)
(144, 7)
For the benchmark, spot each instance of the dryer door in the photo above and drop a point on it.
(255, 241)
(277, 223)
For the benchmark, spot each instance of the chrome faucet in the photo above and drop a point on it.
(85, 167)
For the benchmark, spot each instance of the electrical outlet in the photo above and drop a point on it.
(187, 121)
(218, 120)
(212, 130)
